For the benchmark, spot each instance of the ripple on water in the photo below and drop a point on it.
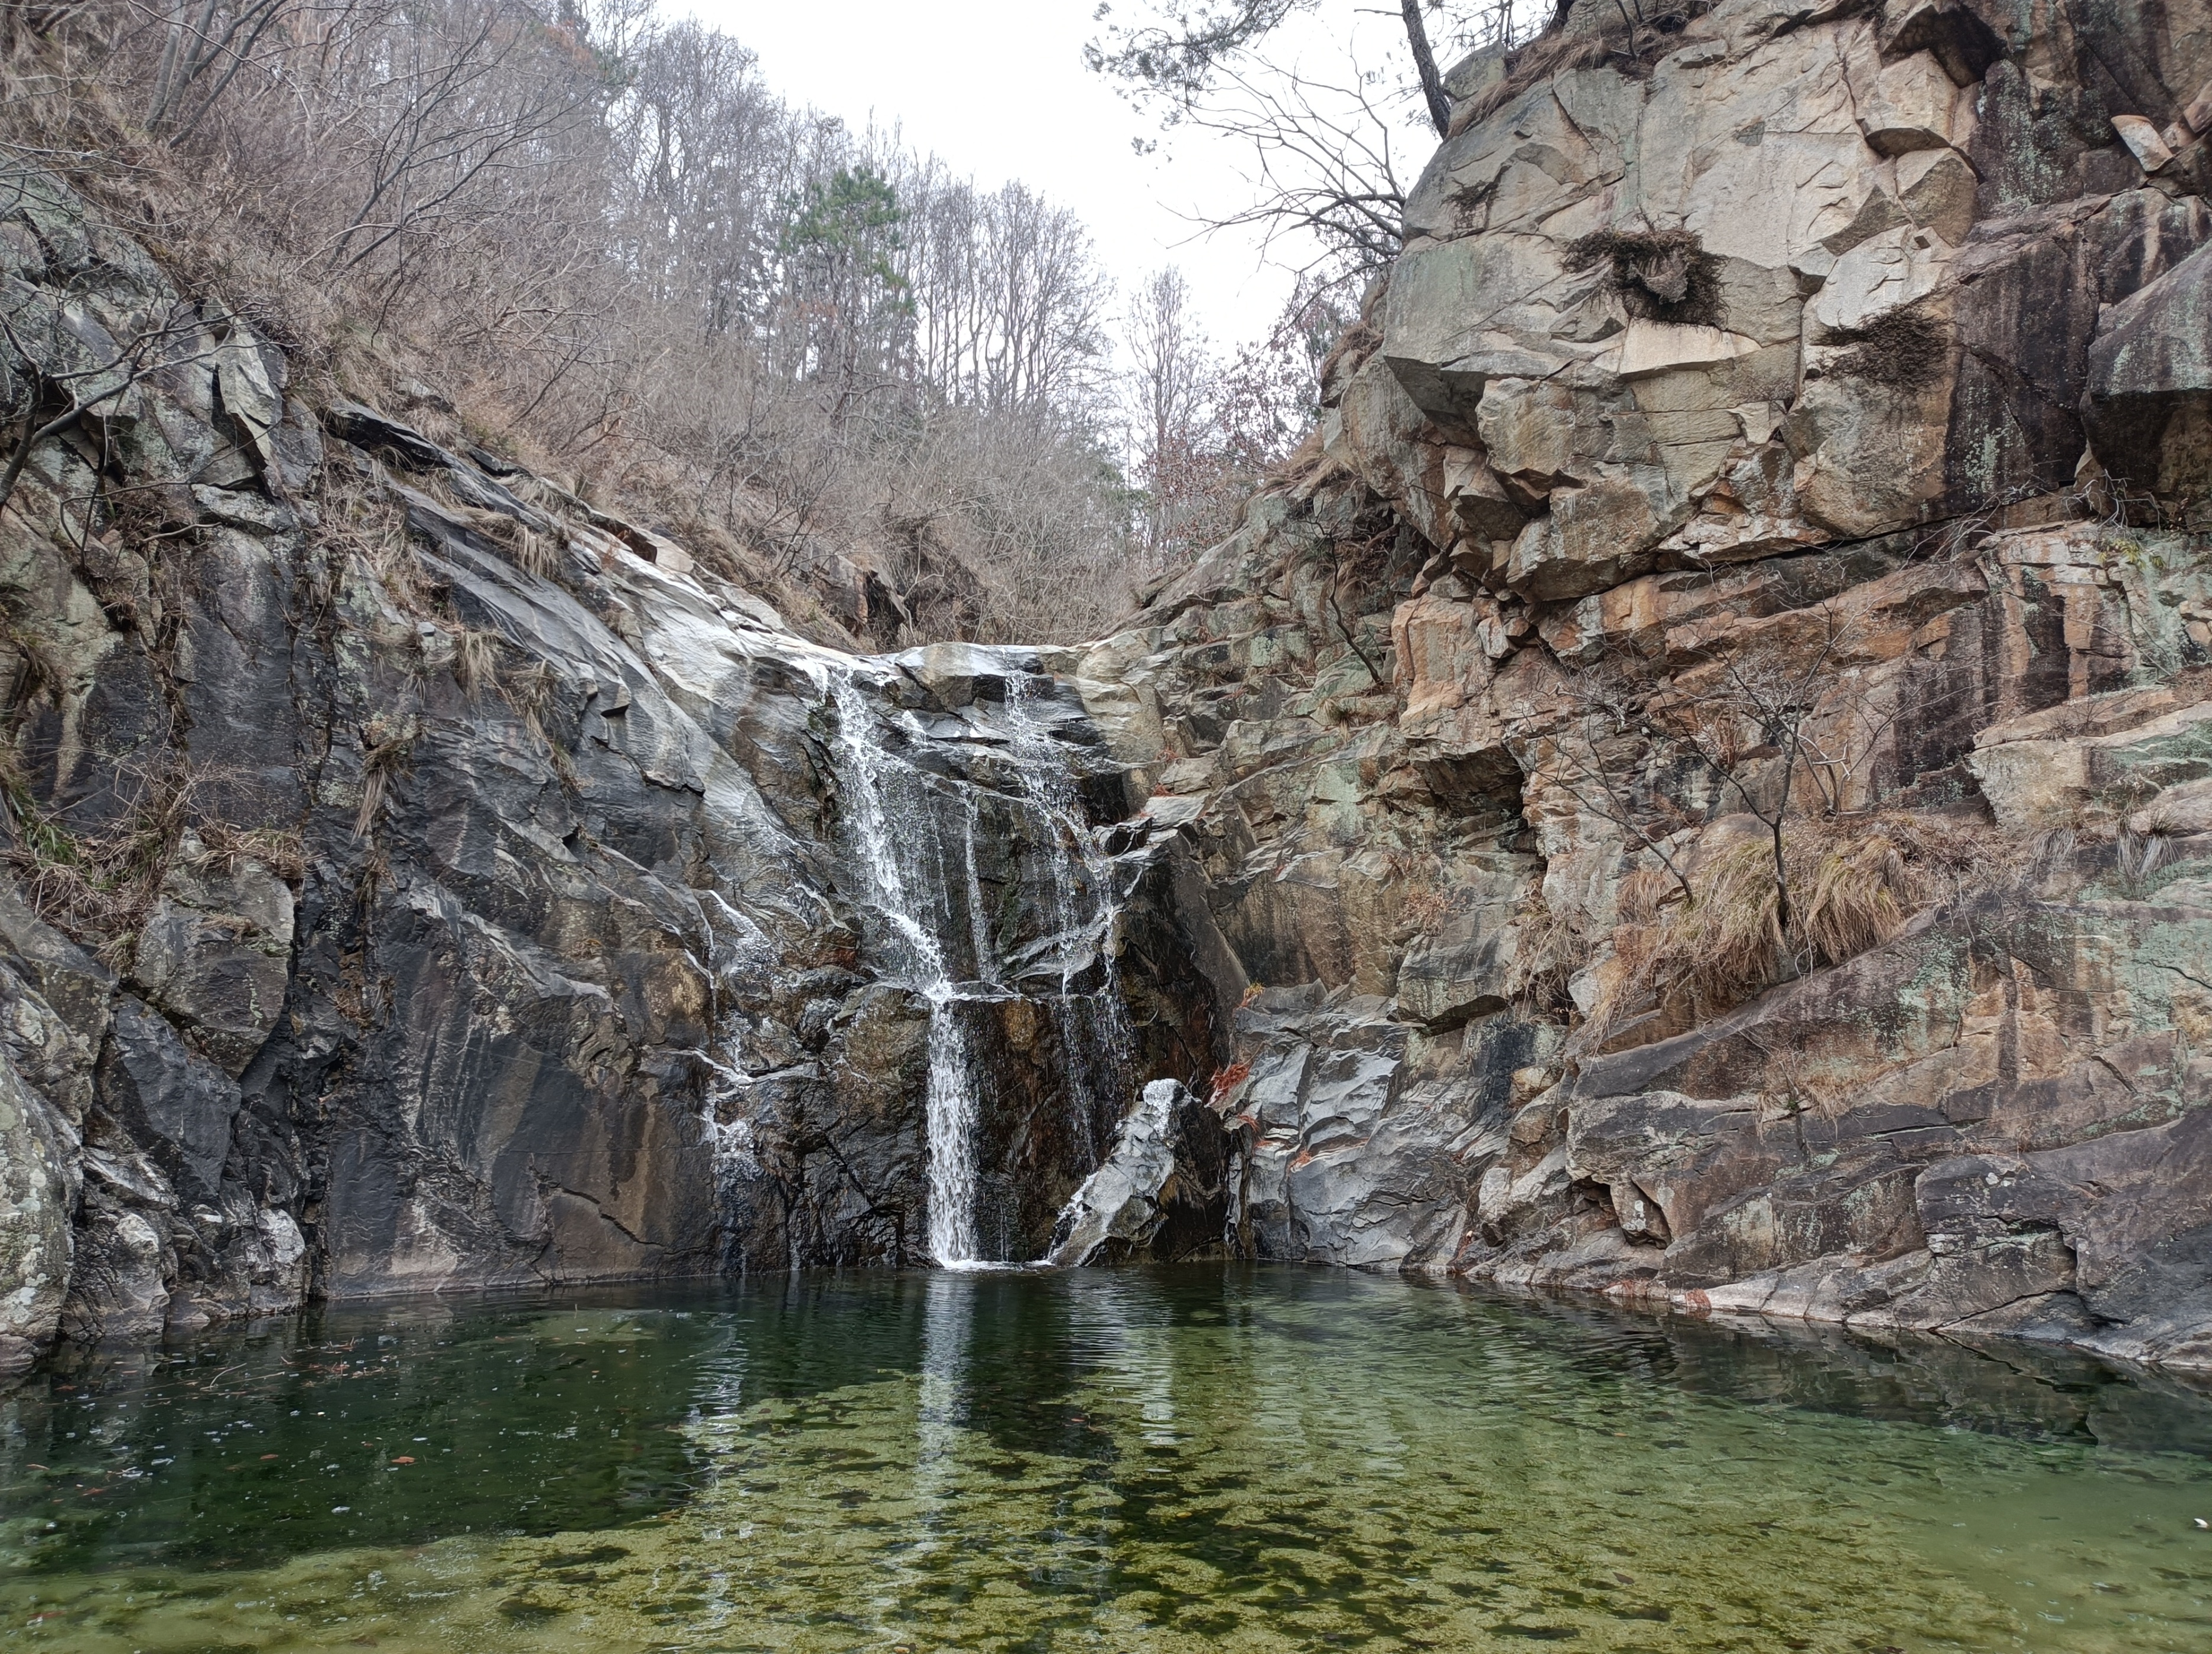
(1204, 1458)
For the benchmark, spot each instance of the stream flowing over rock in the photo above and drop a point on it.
(1785, 442)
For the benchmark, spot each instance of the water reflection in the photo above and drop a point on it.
(941, 1414)
(1211, 1458)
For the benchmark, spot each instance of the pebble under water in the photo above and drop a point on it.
(1199, 1458)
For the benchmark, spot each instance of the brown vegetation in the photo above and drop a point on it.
(1662, 276)
(593, 240)
(1904, 349)
(97, 881)
(1729, 937)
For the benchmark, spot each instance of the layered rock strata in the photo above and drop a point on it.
(1780, 441)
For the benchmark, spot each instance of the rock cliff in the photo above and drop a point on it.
(463, 892)
(1698, 787)
(1709, 760)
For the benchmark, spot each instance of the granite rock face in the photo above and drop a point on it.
(1791, 424)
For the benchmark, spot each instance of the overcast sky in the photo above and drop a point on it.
(997, 89)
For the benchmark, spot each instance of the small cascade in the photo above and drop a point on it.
(737, 949)
(914, 834)
(892, 864)
(1094, 1029)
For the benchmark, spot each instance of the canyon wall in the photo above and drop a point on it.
(466, 892)
(1782, 443)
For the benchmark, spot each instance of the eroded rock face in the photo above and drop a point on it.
(1854, 350)
(1792, 282)
(483, 902)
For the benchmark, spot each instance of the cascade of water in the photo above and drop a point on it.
(887, 862)
(1094, 1030)
(900, 820)
(737, 949)
(979, 916)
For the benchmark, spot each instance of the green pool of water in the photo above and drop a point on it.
(1260, 1459)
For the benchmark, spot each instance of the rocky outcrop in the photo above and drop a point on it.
(1126, 1202)
(1776, 447)
(467, 887)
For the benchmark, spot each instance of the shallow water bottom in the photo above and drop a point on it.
(1203, 1458)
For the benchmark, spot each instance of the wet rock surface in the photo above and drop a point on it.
(474, 890)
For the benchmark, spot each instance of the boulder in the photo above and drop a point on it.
(2149, 393)
(1121, 1200)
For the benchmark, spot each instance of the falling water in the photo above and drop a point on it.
(898, 817)
(949, 1104)
(1094, 1030)
(737, 949)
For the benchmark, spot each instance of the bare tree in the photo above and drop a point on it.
(1172, 380)
(603, 235)
(1325, 146)
(1178, 51)
(205, 43)
(52, 399)
(458, 104)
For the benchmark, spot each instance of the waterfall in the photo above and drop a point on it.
(890, 866)
(898, 817)
(1094, 1031)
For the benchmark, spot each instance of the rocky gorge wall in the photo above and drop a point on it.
(1781, 443)
(1698, 786)
(467, 893)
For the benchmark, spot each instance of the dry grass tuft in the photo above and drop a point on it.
(529, 691)
(476, 660)
(224, 848)
(535, 554)
(386, 745)
(1535, 62)
(1853, 882)
(1553, 947)
(1643, 893)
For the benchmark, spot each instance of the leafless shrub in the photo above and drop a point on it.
(55, 385)
(626, 261)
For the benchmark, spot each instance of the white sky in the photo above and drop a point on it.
(998, 89)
